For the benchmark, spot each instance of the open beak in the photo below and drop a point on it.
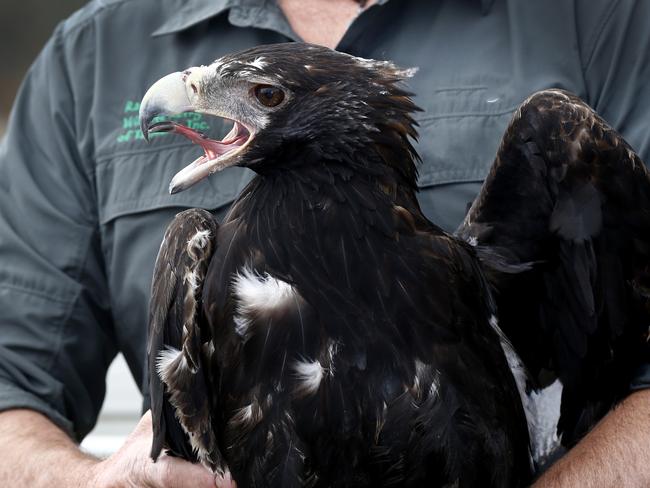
(170, 96)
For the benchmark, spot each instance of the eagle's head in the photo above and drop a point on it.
(292, 105)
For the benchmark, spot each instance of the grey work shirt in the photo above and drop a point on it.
(83, 199)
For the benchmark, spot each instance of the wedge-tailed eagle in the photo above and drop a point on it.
(326, 334)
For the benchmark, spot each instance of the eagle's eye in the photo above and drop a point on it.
(268, 95)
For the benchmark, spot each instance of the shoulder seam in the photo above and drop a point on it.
(597, 33)
(75, 27)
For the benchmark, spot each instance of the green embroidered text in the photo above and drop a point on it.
(131, 122)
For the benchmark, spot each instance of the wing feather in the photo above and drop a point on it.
(180, 343)
(566, 207)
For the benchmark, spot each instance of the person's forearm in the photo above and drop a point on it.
(615, 453)
(36, 453)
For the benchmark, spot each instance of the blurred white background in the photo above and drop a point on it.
(120, 412)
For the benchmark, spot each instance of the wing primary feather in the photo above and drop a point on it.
(180, 393)
(562, 227)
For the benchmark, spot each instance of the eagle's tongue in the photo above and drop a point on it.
(213, 149)
(199, 168)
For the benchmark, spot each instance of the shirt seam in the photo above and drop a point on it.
(443, 89)
(65, 322)
(58, 40)
(101, 160)
(88, 173)
(64, 325)
(69, 30)
(147, 205)
(21, 399)
(444, 176)
(583, 78)
(499, 113)
(37, 293)
(154, 200)
(597, 34)
(77, 157)
(69, 306)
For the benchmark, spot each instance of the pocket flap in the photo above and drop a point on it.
(138, 181)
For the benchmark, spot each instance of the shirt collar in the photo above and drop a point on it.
(486, 5)
(193, 12)
(196, 11)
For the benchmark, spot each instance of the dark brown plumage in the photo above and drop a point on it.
(327, 334)
(568, 194)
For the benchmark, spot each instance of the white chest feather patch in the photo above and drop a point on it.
(261, 293)
(258, 296)
(309, 374)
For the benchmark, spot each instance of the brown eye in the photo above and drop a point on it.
(269, 96)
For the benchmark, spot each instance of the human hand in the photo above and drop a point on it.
(131, 466)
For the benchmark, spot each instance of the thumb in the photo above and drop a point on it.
(225, 481)
(176, 472)
(145, 424)
(179, 473)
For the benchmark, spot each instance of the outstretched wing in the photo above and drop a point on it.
(563, 225)
(180, 344)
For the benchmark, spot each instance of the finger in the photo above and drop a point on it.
(170, 471)
(143, 428)
(145, 421)
(225, 481)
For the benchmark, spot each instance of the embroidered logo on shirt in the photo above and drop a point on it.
(131, 122)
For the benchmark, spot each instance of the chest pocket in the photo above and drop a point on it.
(138, 182)
(460, 130)
(134, 177)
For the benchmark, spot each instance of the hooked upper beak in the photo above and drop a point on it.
(167, 96)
